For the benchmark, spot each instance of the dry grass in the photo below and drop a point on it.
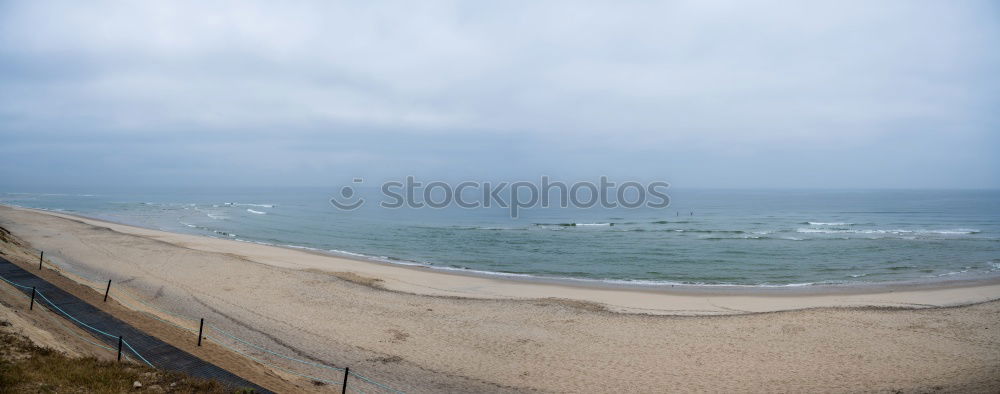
(25, 367)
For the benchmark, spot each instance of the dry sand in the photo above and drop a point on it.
(425, 331)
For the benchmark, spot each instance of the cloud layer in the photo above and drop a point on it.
(843, 94)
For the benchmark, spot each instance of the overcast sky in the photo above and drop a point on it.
(700, 94)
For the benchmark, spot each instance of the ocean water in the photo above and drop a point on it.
(706, 237)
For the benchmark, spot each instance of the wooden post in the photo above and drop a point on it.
(343, 387)
(32, 307)
(119, 348)
(106, 291)
(40, 258)
(201, 326)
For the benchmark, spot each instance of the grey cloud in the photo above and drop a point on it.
(774, 93)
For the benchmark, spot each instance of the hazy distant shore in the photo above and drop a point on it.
(423, 330)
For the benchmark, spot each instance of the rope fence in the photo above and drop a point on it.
(59, 322)
(54, 308)
(318, 373)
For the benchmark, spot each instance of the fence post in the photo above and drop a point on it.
(32, 307)
(106, 291)
(40, 257)
(201, 326)
(119, 348)
(343, 387)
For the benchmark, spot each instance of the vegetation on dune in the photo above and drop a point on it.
(26, 367)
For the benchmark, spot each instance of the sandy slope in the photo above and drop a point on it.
(481, 334)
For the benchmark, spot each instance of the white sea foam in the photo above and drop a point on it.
(829, 224)
(966, 270)
(562, 225)
(212, 214)
(710, 237)
(956, 231)
(347, 253)
(823, 231)
(256, 212)
(960, 231)
(302, 247)
(243, 204)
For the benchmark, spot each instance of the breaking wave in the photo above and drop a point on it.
(960, 231)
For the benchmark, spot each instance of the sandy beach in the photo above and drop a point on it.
(423, 330)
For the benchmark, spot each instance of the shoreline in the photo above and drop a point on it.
(619, 297)
(668, 287)
(959, 280)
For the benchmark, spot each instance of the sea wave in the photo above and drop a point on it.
(244, 204)
(212, 214)
(572, 224)
(829, 223)
(344, 252)
(210, 230)
(256, 212)
(751, 237)
(964, 270)
(743, 237)
(960, 231)
(218, 232)
(698, 230)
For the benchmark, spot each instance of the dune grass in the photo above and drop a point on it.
(26, 367)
